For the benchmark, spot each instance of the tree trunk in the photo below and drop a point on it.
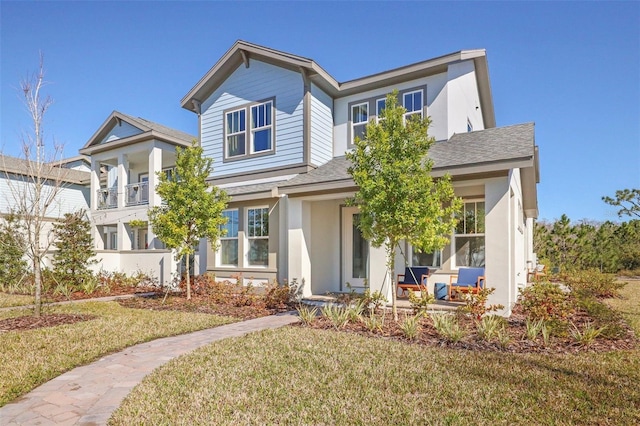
(394, 291)
(37, 278)
(188, 280)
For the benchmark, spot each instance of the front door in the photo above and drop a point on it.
(355, 251)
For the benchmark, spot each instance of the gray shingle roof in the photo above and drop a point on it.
(160, 128)
(484, 146)
(19, 166)
(461, 150)
(253, 188)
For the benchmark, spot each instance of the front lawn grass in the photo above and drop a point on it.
(628, 304)
(30, 358)
(7, 300)
(298, 375)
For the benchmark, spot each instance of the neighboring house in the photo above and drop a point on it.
(15, 182)
(278, 126)
(126, 154)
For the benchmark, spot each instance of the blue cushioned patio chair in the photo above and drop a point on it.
(468, 280)
(414, 278)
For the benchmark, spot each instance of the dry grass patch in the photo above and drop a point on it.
(628, 303)
(30, 358)
(298, 375)
(8, 300)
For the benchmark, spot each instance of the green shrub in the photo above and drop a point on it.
(533, 329)
(410, 326)
(374, 323)
(594, 282)
(489, 326)
(588, 335)
(545, 301)
(420, 304)
(338, 315)
(307, 314)
(603, 316)
(476, 304)
(448, 327)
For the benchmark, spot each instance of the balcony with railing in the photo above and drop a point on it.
(137, 194)
(107, 198)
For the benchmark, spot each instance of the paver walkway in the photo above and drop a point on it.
(88, 395)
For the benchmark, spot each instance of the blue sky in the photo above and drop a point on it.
(573, 68)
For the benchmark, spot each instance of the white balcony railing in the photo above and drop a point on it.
(107, 198)
(137, 193)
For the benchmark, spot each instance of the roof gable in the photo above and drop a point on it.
(242, 52)
(121, 128)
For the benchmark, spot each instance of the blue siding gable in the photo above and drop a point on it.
(121, 131)
(321, 126)
(259, 82)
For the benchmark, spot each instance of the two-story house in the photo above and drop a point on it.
(278, 126)
(126, 154)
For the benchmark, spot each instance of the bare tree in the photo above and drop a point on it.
(37, 180)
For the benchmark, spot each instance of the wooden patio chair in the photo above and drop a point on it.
(414, 278)
(467, 280)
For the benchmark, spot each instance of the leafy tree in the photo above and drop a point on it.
(75, 249)
(397, 196)
(13, 265)
(36, 189)
(193, 208)
(628, 200)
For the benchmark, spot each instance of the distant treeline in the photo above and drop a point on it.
(610, 247)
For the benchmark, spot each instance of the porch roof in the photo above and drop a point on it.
(474, 153)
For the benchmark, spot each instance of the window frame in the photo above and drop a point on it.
(372, 106)
(249, 131)
(408, 113)
(249, 238)
(439, 257)
(466, 234)
(352, 123)
(228, 238)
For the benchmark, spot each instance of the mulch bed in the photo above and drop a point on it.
(429, 337)
(201, 304)
(31, 322)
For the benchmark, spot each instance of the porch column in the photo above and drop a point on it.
(299, 237)
(498, 248)
(95, 184)
(124, 239)
(155, 165)
(93, 202)
(123, 179)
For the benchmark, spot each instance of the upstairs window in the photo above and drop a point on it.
(249, 130)
(363, 110)
(381, 104)
(359, 120)
(236, 133)
(412, 102)
(261, 129)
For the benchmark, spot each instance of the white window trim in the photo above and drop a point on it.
(410, 113)
(252, 131)
(454, 257)
(248, 238)
(249, 151)
(359, 123)
(225, 238)
(228, 134)
(378, 111)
